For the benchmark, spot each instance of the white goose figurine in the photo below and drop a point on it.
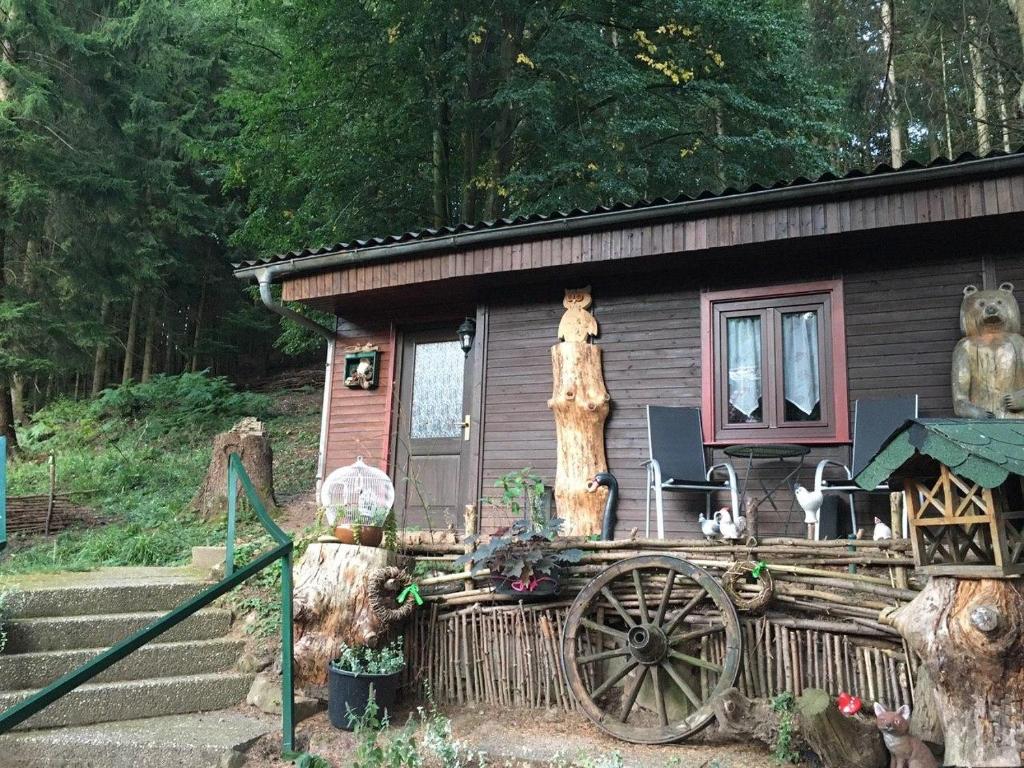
(882, 531)
(730, 529)
(709, 527)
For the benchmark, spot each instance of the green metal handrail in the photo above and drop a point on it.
(232, 578)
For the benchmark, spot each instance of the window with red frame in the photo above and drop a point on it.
(774, 365)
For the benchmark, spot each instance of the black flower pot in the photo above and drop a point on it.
(546, 587)
(350, 692)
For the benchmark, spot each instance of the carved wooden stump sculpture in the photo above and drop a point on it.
(580, 404)
(332, 605)
(970, 636)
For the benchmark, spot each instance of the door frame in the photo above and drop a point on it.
(471, 476)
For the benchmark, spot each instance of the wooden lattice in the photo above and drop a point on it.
(962, 529)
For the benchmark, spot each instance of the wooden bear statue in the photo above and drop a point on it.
(988, 363)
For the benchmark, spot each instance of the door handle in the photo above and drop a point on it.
(466, 423)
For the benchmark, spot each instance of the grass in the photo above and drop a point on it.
(137, 455)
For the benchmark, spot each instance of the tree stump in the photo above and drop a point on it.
(970, 636)
(817, 725)
(332, 605)
(249, 439)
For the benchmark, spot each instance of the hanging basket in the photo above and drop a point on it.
(735, 577)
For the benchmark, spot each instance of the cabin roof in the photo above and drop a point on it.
(984, 451)
(780, 193)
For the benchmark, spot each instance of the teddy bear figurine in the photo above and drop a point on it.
(988, 363)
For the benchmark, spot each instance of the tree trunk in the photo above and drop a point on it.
(817, 725)
(970, 636)
(889, 44)
(99, 368)
(332, 605)
(580, 405)
(18, 399)
(129, 343)
(194, 367)
(1004, 110)
(979, 86)
(945, 98)
(439, 162)
(249, 439)
(148, 345)
(1017, 9)
(924, 720)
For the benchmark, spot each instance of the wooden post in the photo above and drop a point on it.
(580, 403)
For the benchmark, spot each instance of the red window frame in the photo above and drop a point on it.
(835, 425)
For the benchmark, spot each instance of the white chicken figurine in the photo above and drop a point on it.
(709, 527)
(882, 531)
(810, 502)
(730, 528)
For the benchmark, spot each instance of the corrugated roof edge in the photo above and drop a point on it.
(535, 225)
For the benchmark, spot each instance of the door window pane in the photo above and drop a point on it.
(800, 375)
(437, 383)
(743, 342)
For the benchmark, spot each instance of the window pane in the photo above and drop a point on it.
(801, 381)
(437, 390)
(743, 342)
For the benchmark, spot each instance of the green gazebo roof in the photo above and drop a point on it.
(984, 451)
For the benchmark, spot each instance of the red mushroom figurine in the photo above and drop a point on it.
(848, 705)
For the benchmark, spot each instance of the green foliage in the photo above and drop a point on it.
(522, 494)
(363, 660)
(783, 750)
(522, 553)
(183, 402)
(372, 751)
(306, 760)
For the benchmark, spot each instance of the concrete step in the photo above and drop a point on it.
(195, 741)
(107, 590)
(106, 702)
(58, 633)
(35, 670)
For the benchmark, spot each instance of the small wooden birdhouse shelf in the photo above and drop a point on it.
(961, 480)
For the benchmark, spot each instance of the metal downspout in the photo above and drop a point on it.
(266, 279)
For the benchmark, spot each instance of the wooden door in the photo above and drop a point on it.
(432, 472)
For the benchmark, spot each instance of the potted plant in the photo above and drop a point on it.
(521, 560)
(361, 526)
(359, 673)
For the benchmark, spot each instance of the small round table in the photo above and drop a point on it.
(779, 452)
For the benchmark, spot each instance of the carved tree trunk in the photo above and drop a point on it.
(970, 636)
(332, 605)
(580, 405)
(249, 439)
(817, 725)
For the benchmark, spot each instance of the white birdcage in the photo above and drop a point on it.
(357, 487)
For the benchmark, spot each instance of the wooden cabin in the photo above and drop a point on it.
(877, 262)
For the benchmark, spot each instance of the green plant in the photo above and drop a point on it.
(306, 760)
(363, 660)
(523, 552)
(783, 750)
(522, 495)
(439, 739)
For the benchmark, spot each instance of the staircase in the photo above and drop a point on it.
(57, 622)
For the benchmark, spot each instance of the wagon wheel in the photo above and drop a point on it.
(648, 645)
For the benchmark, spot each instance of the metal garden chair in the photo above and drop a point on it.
(874, 420)
(678, 463)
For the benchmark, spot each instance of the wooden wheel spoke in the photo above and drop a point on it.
(644, 615)
(634, 691)
(626, 669)
(688, 692)
(695, 634)
(611, 598)
(666, 594)
(695, 661)
(659, 695)
(589, 624)
(684, 611)
(612, 654)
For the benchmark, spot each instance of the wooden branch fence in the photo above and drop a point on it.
(823, 627)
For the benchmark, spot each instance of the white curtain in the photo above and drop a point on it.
(800, 360)
(744, 346)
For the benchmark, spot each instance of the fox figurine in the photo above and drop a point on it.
(907, 751)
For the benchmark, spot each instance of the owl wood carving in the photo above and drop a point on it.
(577, 323)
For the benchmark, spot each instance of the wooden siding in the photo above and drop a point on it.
(360, 421)
(936, 203)
(901, 326)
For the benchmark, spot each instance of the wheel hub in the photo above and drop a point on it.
(647, 643)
